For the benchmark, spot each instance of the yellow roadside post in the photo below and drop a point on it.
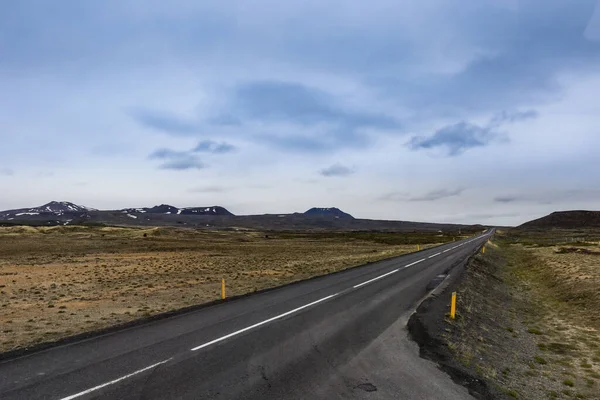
(223, 289)
(483, 250)
(418, 247)
(453, 306)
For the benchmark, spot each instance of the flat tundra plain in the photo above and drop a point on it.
(60, 281)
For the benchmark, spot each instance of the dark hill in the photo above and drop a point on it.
(566, 220)
(327, 212)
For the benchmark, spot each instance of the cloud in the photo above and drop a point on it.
(514, 58)
(461, 136)
(181, 160)
(551, 196)
(514, 116)
(275, 101)
(208, 189)
(437, 195)
(455, 139)
(315, 119)
(6, 172)
(430, 196)
(210, 146)
(177, 160)
(506, 199)
(336, 170)
(164, 122)
(394, 196)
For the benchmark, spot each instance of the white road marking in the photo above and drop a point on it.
(374, 279)
(266, 321)
(435, 255)
(411, 264)
(447, 250)
(139, 371)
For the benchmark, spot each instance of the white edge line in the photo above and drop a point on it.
(139, 371)
(376, 278)
(262, 323)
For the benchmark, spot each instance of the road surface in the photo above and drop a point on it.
(338, 336)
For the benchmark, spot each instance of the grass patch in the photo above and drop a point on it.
(561, 348)
(540, 360)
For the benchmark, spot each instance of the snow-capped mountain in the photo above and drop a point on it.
(327, 212)
(168, 209)
(54, 208)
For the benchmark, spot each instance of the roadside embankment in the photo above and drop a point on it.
(526, 325)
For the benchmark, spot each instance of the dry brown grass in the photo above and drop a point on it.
(563, 288)
(60, 281)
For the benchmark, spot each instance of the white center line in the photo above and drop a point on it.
(374, 279)
(447, 250)
(266, 321)
(139, 371)
(435, 255)
(411, 264)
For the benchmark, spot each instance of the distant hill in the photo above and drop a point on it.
(167, 209)
(566, 220)
(49, 210)
(327, 212)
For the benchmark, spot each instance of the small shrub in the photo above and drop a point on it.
(568, 382)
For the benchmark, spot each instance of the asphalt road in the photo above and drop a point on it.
(338, 336)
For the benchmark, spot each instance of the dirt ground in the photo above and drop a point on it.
(60, 281)
(528, 320)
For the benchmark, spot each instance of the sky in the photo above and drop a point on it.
(471, 111)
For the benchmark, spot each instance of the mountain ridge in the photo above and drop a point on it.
(214, 218)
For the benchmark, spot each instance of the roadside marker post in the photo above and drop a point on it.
(483, 250)
(222, 289)
(453, 306)
(418, 247)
